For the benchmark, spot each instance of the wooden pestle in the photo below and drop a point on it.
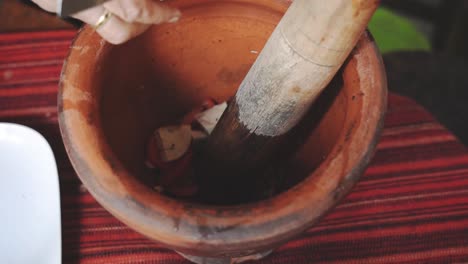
(303, 54)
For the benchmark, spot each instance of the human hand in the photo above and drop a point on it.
(120, 20)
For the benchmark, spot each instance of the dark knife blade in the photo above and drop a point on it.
(69, 7)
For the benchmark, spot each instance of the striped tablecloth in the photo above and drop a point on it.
(411, 206)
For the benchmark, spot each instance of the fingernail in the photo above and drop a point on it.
(175, 17)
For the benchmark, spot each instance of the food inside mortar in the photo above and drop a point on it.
(172, 151)
(169, 152)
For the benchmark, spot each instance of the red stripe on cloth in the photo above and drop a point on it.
(411, 206)
(19, 57)
(41, 37)
(30, 75)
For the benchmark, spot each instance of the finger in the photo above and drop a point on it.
(143, 11)
(115, 30)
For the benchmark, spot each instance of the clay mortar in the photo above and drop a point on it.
(112, 98)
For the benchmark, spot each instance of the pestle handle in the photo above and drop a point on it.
(301, 57)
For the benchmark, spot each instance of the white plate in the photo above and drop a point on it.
(29, 198)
